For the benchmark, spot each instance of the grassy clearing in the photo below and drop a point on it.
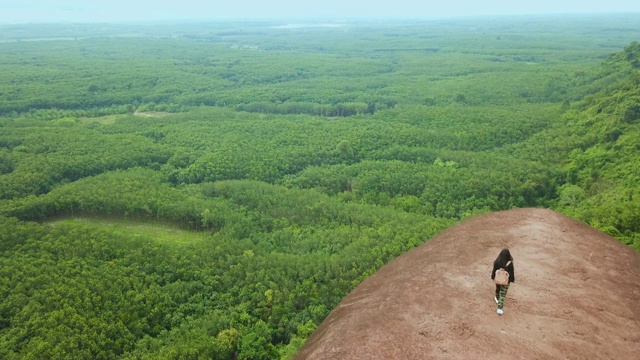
(104, 120)
(155, 114)
(110, 119)
(157, 231)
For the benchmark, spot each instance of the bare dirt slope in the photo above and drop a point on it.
(576, 296)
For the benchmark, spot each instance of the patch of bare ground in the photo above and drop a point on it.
(576, 296)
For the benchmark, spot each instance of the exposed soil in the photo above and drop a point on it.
(576, 296)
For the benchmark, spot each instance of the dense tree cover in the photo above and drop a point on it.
(61, 151)
(277, 260)
(276, 168)
(597, 144)
(350, 69)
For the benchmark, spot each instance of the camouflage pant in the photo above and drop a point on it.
(501, 294)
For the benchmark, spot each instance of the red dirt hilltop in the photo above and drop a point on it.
(576, 296)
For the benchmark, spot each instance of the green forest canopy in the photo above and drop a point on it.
(214, 190)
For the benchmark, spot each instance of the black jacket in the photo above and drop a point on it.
(512, 275)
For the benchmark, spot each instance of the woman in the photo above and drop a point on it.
(503, 261)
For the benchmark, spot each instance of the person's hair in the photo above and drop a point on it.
(503, 258)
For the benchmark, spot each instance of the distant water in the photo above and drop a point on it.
(298, 26)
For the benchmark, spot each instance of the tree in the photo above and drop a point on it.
(256, 343)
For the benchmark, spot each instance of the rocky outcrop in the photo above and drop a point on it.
(576, 296)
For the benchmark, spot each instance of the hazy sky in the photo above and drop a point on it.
(124, 10)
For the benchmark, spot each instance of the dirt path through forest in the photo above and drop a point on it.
(576, 296)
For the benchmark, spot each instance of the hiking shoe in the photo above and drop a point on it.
(500, 312)
(496, 299)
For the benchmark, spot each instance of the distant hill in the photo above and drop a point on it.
(603, 172)
(575, 297)
(595, 142)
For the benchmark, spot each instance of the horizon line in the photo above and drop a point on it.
(319, 18)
